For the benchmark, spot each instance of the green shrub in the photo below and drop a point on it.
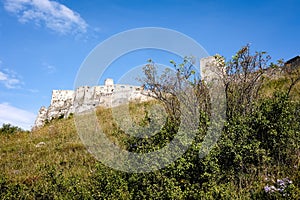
(9, 129)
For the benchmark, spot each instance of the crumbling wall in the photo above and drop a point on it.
(61, 102)
(85, 98)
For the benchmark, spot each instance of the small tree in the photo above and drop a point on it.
(242, 78)
(167, 86)
(9, 129)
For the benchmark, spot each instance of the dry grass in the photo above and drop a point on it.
(280, 84)
(22, 159)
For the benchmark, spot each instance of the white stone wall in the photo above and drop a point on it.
(65, 102)
(211, 69)
(61, 95)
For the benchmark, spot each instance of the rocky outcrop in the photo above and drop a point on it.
(65, 102)
(41, 117)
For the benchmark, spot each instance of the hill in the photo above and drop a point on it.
(256, 157)
(52, 163)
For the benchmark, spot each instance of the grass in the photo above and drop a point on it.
(279, 83)
(52, 160)
(22, 160)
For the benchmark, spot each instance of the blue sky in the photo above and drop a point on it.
(43, 42)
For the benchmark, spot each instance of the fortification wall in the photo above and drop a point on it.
(65, 102)
(61, 95)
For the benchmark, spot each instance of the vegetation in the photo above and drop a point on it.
(257, 156)
(10, 129)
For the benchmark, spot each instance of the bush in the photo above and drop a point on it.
(9, 129)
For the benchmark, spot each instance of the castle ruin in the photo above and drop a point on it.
(86, 98)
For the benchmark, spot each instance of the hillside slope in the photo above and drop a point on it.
(254, 155)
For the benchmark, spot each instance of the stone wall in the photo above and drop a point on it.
(85, 98)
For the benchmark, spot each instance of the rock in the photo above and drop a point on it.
(40, 144)
(41, 117)
(16, 172)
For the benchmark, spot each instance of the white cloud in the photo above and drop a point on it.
(52, 14)
(3, 77)
(9, 79)
(16, 116)
(49, 68)
(33, 90)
